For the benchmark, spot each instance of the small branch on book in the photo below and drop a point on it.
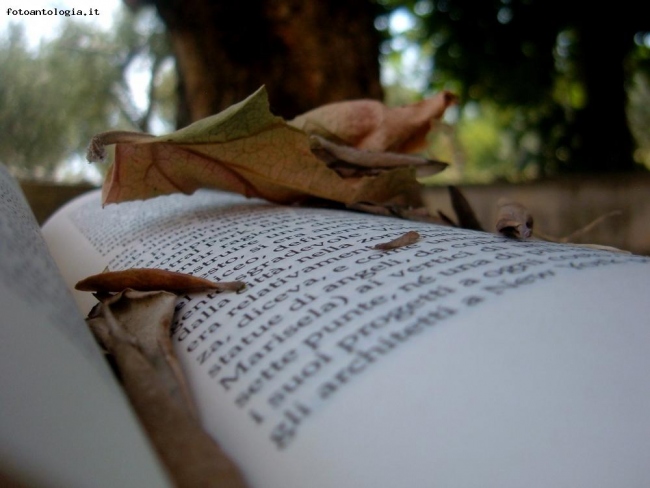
(583, 230)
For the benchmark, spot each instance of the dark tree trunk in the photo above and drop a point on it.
(602, 140)
(307, 53)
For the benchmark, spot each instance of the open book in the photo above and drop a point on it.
(64, 420)
(463, 360)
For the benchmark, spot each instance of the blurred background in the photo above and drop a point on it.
(554, 95)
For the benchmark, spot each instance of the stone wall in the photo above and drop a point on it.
(45, 198)
(563, 206)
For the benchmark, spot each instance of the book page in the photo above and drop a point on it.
(65, 421)
(465, 359)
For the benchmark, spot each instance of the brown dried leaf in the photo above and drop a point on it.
(349, 161)
(148, 279)
(370, 125)
(446, 219)
(513, 220)
(373, 209)
(418, 214)
(466, 217)
(407, 239)
(247, 150)
(128, 327)
(144, 319)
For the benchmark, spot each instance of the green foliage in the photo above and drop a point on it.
(638, 108)
(55, 98)
(639, 113)
(31, 114)
(488, 150)
(554, 71)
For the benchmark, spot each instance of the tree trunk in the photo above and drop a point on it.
(307, 53)
(602, 140)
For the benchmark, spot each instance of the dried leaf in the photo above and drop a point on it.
(407, 239)
(446, 219)
(247, 150)
(418, 214)
(513, 220)
(349, 161)
(370, 125)
(466, 217)
(148, 279)
(373, 209)
(144, 320)
(190, 455)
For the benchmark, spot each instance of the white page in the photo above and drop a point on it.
(65, 421)
(464, 360)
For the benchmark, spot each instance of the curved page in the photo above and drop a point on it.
(463, 360)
